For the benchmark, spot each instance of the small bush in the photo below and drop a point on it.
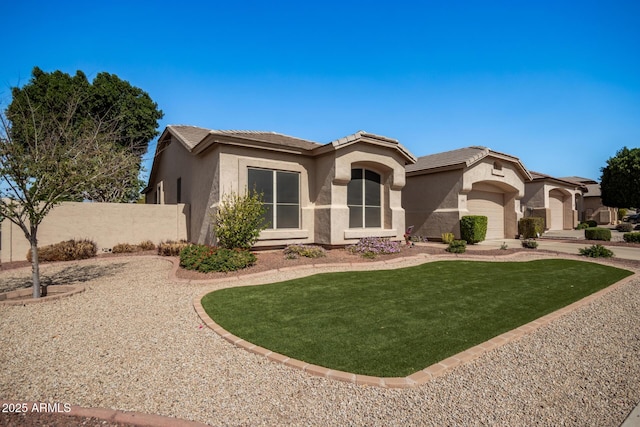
(122, 248)
(631, 237)
(622, 212)
(597, 233)
(530, 227)
(529, 244)
(473, 228)
(308, 251)
(591, 223)
(172, 248)
(582, 226)
(596, 251)
(448, 238)
(239, 220)
(147, 245)
(206, 259)
(624, 227)
(69, 250)
(370, 247)
(504, 246)
(457, 247)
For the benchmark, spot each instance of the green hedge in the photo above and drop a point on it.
(473, 228)
(596, 251)
(530, 227)
(208, 258)
(457, 247)
(597, 233)
(631, 237)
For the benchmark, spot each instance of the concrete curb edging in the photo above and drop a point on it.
(113, 415)
(67, 291)
(417, 378)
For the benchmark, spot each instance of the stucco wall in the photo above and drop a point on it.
(105, 223)
(390, 165)
(234, 163)
(431, 203)
(536, 199)
(435, 202)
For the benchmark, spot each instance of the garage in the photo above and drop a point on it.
(491, 205)
(556, 206)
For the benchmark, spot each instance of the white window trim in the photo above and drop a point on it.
(364, 205)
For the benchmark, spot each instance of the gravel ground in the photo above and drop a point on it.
(133, 342)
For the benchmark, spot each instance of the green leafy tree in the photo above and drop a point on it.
(239, 220)
(620, 180)
(108, 97)
(55, 159)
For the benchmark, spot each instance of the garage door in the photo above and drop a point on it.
(557, 215)
(491, 205)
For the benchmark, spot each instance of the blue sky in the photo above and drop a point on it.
(555, 83)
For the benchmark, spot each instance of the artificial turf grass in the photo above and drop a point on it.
(392, 323)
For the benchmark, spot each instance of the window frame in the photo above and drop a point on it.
(276, 206)
(363, 206)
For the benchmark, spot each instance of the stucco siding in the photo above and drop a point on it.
(107, 224)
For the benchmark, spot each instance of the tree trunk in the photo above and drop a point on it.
(35, 267)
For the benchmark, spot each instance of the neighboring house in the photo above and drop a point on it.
(554, 199)
(442, 188)
(330, 194)
(591, 207)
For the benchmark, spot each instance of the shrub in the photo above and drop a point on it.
(206, 259)
(597, 233)
(624, 227)
(308, 251)
(622, 212)
(631, 237)
(457, 246)
(239, 220)
(596, 251)
(529, 244)
(369, 247)
(473, 228)
(448, 238)
(172, 248)
(504, 246)
(147, 245)
(591, 223)
(68, 250)
(530, 227)
(122, 248)
(582, 226)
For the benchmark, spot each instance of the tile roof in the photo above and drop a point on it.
(191, 136)
(270, 137)
(593, 190)
(538, 175)
(579, 179)
(463, 156)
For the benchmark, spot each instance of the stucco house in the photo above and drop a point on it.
(330, 194)
(554, 199)
(590, 207)
(441, 188)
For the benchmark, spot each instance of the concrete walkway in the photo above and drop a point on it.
(560, 241)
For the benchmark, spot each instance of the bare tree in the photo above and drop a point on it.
(59, 158)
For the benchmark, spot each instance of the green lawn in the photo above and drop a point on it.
(395, 322)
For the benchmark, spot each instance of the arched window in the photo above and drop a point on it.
(364, 199)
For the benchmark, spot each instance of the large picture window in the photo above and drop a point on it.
(364, 199)
(280, 194)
